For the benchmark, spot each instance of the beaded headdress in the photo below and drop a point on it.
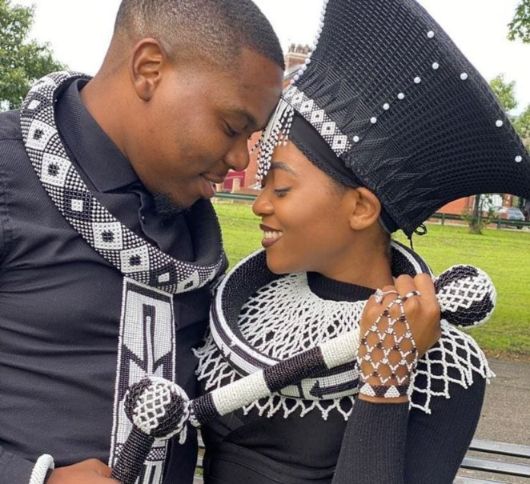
(403, 109)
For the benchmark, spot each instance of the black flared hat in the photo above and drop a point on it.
(402, 109)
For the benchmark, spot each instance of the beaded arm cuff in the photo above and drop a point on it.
(387, 354)
(41, 469)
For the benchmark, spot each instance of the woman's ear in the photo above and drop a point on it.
(365, 208)
(146, 67)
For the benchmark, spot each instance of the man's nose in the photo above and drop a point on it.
(238, 157)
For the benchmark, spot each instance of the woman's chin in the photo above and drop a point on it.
(281, 265)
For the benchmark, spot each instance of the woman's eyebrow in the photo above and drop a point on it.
(280, 165)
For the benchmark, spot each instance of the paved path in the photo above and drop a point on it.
(506, 411)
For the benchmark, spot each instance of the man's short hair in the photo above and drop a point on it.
(214, 29)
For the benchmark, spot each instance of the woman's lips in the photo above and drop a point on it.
(270, 236)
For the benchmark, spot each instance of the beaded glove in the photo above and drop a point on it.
(387, 353)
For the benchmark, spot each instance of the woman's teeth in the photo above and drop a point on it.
(269, 235)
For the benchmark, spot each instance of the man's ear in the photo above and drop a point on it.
(365, 208)
(147, 63)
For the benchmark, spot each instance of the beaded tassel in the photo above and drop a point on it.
(276, 132)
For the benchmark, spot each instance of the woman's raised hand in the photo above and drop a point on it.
(399, 324)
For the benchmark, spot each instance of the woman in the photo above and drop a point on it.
(386, 123)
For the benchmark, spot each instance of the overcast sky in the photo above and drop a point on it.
(79, 31)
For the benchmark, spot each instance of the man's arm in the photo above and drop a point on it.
(14, 469)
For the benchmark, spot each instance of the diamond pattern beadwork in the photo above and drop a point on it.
(128, 252)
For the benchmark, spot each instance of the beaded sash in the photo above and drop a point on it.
(151, 277)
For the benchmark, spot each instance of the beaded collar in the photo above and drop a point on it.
(259, 318)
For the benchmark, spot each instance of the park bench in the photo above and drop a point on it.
(498, 458)
(495, 458)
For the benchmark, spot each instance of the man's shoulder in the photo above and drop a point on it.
(10, 126)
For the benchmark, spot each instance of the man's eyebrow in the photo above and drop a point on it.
(280, 165)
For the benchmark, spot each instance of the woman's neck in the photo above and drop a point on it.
(367, 266)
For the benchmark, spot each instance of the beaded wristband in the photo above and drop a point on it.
(39, 474)
(387, 354)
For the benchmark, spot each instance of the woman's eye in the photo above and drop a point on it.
(281, 192)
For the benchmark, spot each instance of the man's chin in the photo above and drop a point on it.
(167, 208)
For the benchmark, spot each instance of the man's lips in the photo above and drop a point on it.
(214, 178)
(208, 187)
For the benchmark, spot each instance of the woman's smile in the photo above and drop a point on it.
(270, 235)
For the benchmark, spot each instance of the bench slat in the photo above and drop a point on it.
(474, 480)
(473, 463)
(514, 450)
(496, 467)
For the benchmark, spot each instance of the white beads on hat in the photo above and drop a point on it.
(464, 76)
(401, 96)
(386, 106)
(417, 80)
(518, 159)
(430, 34)
(435, 66)
(499, 123)
(373, 120)
(356, 139)
(313, 45)
(276, 132)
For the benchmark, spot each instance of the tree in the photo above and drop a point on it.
(22, 61)
(519, 27)
(504, 92)
(522, 125)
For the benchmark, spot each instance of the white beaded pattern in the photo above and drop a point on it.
(42, 466)
(152, 405)
(300, 71)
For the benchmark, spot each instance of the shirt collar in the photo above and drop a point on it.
(92, 149)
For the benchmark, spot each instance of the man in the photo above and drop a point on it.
(108, 242)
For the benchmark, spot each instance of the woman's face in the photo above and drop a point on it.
(304, 216)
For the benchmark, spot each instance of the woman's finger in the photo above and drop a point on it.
(425, 285)
(389, 294)
(405, 285)
(378, 302)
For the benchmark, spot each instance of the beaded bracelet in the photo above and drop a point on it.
(387, 354)
(39, 474)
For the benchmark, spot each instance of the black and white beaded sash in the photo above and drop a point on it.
(133, 256)
(259, 318)
(151, 277)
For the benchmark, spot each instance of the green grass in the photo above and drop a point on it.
(503, 254)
